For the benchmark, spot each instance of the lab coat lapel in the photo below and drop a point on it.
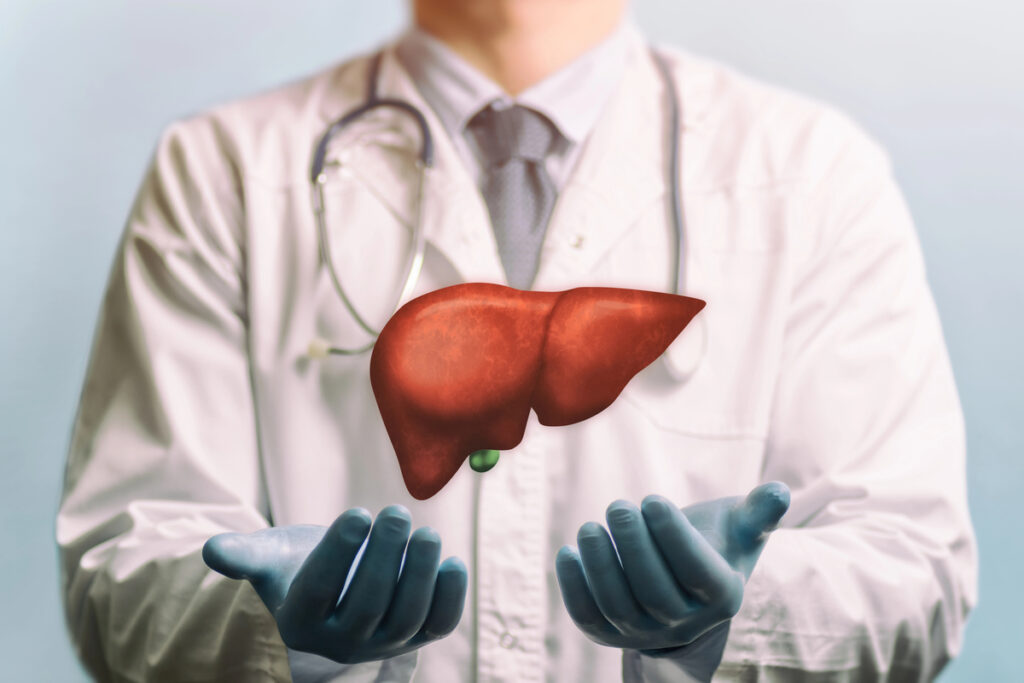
(620, 173)
(381, 151)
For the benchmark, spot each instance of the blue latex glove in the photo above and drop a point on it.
(671, 576)
(388, 609)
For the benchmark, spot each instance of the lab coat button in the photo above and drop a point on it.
(507, 640)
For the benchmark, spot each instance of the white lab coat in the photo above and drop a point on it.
(824, 367)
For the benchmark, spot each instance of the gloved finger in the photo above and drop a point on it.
(252, 557)
(233, 555)
(578, 600)
(698, 568)
(411, 603)
(369, 594)
(448, 602)
(760, 513)
(649, 578)
(318, 583)
(608, 583)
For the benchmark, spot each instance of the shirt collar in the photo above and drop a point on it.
(572, 98)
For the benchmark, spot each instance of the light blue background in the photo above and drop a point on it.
(85, 87)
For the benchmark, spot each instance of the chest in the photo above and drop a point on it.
(709, 397)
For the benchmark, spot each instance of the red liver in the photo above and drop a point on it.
(458, 370)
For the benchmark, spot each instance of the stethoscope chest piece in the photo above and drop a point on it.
(682, 358)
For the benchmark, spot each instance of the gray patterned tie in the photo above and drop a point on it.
(520, 195)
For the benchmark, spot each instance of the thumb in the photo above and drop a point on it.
(761, 511)
(232, 555)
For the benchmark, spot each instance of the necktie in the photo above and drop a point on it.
(520, 195)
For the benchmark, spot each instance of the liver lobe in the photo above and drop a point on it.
(458, 370)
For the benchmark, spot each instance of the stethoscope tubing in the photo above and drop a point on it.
(675, 156)
(425, 162)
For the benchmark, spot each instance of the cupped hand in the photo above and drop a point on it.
(664, 576)
(399, 597)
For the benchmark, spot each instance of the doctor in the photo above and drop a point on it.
(819, 363)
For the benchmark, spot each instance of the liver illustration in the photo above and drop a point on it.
(459, 369)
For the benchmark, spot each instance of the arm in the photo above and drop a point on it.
(165, 455)
(874, 570)
(164, 452)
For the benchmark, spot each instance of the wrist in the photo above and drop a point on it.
(698, 658)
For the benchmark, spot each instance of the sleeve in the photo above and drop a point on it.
(874, 569)
(164, 452)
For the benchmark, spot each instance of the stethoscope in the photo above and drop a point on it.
(681, 358)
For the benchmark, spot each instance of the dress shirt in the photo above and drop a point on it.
(572, 98)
